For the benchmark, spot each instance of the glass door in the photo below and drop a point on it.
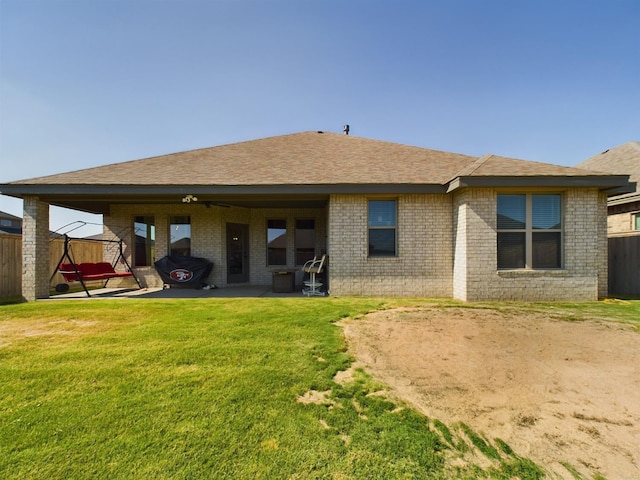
(237, 253)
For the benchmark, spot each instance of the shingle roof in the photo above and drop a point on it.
(497, 166)
(623, 159)
(307, 158)
(8, 216)
(300, 169)
(298, 159)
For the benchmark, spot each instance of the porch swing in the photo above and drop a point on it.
(88, 271)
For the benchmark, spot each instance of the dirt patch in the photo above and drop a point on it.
(560, 393)
(316, 397)
(12, 331)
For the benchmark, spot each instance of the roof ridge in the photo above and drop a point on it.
(472, 167)
(632, 144)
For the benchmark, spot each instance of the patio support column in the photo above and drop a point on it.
(35, 249)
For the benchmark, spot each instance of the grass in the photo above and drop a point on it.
(482, 444)
(207, 388)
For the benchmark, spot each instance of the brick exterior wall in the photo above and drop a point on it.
(208, 237)
(475, 241)
(621, 220)
(603, 246)
(446, 246)
(622, 223)
(35, 249)
(424, 264)
(584, 243)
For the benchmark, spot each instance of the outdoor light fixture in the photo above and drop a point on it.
(189, 198)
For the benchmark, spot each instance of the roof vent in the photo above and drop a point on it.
(345, 129)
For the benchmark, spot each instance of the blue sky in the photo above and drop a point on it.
(87, 83)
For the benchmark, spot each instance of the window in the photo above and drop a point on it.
(144, 233)
(636, 221)
(180, 235)
(305, 240)
(529, 231)
(382, 228)
(276, 242)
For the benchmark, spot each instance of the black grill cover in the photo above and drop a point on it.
(186, 272)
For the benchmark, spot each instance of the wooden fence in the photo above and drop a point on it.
(11, 260)
(10, 265)
(624, 265)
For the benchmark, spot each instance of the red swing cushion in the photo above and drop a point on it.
(90, 271)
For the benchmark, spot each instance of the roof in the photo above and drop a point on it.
(622, 160)
(8, 216)
(10, 223)
(303, 164)
(303, 158)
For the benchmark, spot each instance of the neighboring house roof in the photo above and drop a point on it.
(97, 237)
(10, 223)
(13, 225)
(622, 160)
(303, 164)
(8, 216)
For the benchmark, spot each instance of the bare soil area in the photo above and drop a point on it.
(564, 394)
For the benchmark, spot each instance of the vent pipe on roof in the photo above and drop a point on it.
(345, 129)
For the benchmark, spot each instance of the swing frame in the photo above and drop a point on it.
(77, 275)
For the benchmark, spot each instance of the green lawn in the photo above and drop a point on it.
(207, 388)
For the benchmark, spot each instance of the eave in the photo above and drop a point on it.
(612, 184)
(624, 199)
(98, 198)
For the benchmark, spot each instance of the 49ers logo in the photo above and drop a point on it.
(181, 275)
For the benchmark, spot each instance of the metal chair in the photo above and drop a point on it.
(315, 267)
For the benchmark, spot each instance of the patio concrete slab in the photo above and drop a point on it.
(244, 291)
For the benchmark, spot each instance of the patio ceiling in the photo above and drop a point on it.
(100, 205)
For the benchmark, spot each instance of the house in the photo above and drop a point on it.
(623, 218)
(10, 223)
(394, 219)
